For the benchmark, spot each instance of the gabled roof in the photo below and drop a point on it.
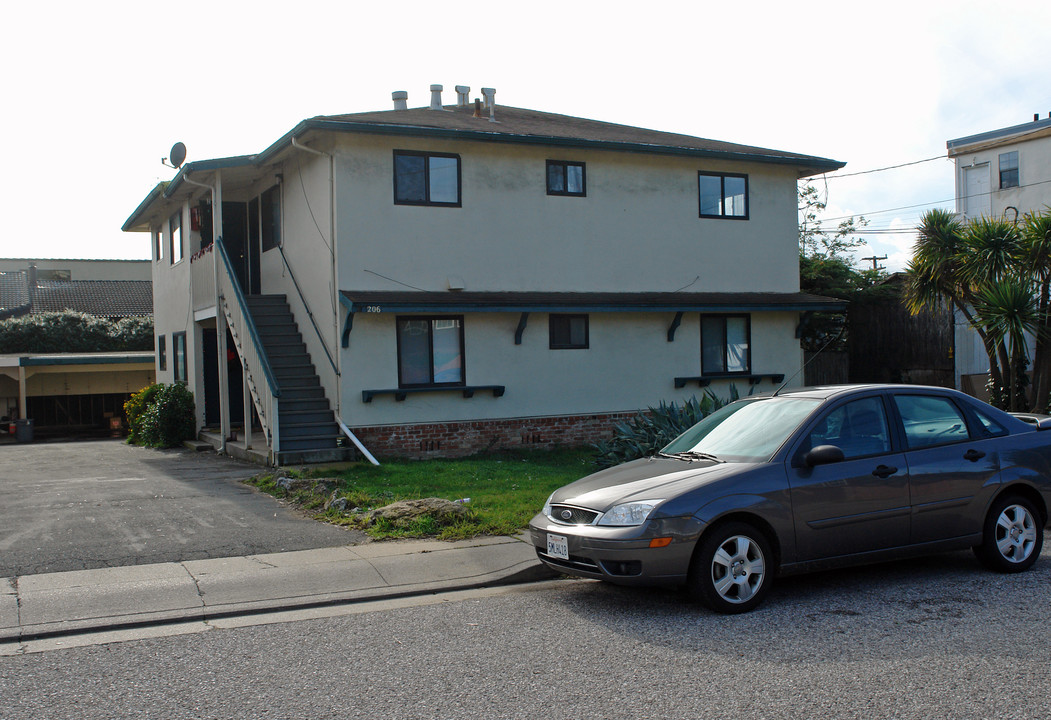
(513, 125)
(103, 298)
(519, 125)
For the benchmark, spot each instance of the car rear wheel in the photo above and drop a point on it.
(731, 571)
(1012, 537)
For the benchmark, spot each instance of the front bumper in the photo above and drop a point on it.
(620, 555)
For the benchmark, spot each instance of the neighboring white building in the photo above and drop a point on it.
(1002, 173)
(474, 275)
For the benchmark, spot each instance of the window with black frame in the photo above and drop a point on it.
(566, 178)
(175, 237)
(723, 195)
(426, 178)
(568, 332)
(726, 344)
(430, 351)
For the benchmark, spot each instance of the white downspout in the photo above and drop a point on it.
(220, 317)
(335, 286)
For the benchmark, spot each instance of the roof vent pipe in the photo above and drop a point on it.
(462, 93)
(436, 97)
(1036, 116)
(401, 99)
(490, 102)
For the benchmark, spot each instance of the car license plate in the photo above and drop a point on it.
(558, 546)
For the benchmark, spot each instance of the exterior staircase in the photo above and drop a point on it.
(307, 426)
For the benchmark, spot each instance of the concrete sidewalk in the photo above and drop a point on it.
(48, 605)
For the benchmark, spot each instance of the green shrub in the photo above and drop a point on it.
(134, 409)
(170, 418)
(71, 331)
(649, 431)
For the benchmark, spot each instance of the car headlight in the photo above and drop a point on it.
(631, 513)
(547, 506)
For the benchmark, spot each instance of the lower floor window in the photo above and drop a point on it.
(725, 344)
(430, 351)
(179, 357)
(568, 332)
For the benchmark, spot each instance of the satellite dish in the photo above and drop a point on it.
(177, 155)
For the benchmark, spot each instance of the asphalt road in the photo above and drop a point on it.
(938, 638)
(102, 503)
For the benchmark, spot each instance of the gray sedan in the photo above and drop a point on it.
(809, 479)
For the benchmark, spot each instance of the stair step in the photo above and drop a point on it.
(295, 405)
(313, 429)
(322, 416)
(302, 393)
(315, 442)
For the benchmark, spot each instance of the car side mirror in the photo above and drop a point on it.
(823, 455)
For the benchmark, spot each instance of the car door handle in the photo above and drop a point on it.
(973, 455)
(884, 471)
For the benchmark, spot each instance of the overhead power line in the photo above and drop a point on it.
(834, 176)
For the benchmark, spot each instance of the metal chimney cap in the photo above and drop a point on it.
(399, 95)
(466, 89)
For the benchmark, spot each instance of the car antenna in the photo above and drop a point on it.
(803, 366)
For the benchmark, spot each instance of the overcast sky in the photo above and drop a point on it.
(95, 94)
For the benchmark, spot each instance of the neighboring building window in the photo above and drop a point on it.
(270, 217)
(1009, 169)
(566, 178)
(179, 357)
(723, 195)
(430, 351)
(175, 237)
(158, 244)
(162, 352)
(426, 179)
(725, 344)
(568, 332)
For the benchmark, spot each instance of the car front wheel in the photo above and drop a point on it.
(732, 569)
(1012, 537)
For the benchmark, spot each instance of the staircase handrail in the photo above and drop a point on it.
(317, 330)
(263, 361)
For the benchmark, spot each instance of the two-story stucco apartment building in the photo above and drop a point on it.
(1003, 173)
(444, 279)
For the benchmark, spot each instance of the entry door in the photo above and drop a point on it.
(857, 505)
(977, 200)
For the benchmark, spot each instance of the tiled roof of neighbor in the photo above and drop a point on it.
(104, 298)
(14, 293)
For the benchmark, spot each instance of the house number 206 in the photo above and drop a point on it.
(373, 309)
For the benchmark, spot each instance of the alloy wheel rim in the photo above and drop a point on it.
(738, 569)
(1015, 533)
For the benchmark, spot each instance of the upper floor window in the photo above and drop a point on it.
(175, 237)
(723, 195)
(1009, 169)
(158, 244)
(430, 351)
(162, 353)
(568, 332)
(565, 178)
(725, 344)
(426, 178)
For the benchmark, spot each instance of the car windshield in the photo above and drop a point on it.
(744, 431)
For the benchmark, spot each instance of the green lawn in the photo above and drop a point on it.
(505, 489)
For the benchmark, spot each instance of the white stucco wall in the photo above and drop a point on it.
(1034, 171)
(637, 230)
(628, 365)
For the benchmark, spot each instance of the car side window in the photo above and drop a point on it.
(990, 426)
(930, 420)
(858, 428)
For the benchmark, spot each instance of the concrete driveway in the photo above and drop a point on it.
(102, 503)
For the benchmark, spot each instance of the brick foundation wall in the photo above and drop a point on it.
(458, 439)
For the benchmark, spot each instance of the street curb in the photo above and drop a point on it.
(521, 573)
